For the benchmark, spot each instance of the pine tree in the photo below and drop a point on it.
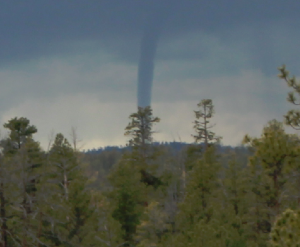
(198, 207)
(153, 225)
(140, 129)
(143, 154)
(196, 220)
(62, 156)
(20, 131)
(69, 211)
(235, 200)
(135, 179)
(108, 230)
(293, 116)
(128, 198)
(274, 154)
(26, 157)
(7, 191)
(201, 124)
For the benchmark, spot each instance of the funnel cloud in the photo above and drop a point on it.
(147, 56)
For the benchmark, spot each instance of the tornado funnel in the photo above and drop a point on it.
(146, 68)
(147, 56)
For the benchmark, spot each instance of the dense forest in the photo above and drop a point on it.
(151, 194)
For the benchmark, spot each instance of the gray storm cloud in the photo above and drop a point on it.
(148, 48)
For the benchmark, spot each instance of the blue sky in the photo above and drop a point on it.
(67, 64)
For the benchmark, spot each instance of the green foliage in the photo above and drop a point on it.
(108, 231)
(198, 206)
(193, 154)
(136, 181)
(201, 124)
(65, 166)
(20, 131)
(81, 226)
(236, 200)
(274, 156)
(73, 224)
(128, 197)
(23, 162)
(286, 229)
(293, 116)
(140, 128)
(153, 225)
(98, 167)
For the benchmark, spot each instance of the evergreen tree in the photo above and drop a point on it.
(70, 212)
(235, 200)
(196, 217)
(23, 159)
(201, 124)
(7, 192)
(128, 198)
(293, 116)
(196, 212)
(135, 179)
(20, 131)
(274, 155)
(143, 153)
(62, 156)
(109, 232)
(153, 225)
(140, 129)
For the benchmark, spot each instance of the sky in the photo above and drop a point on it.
(75, 64)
